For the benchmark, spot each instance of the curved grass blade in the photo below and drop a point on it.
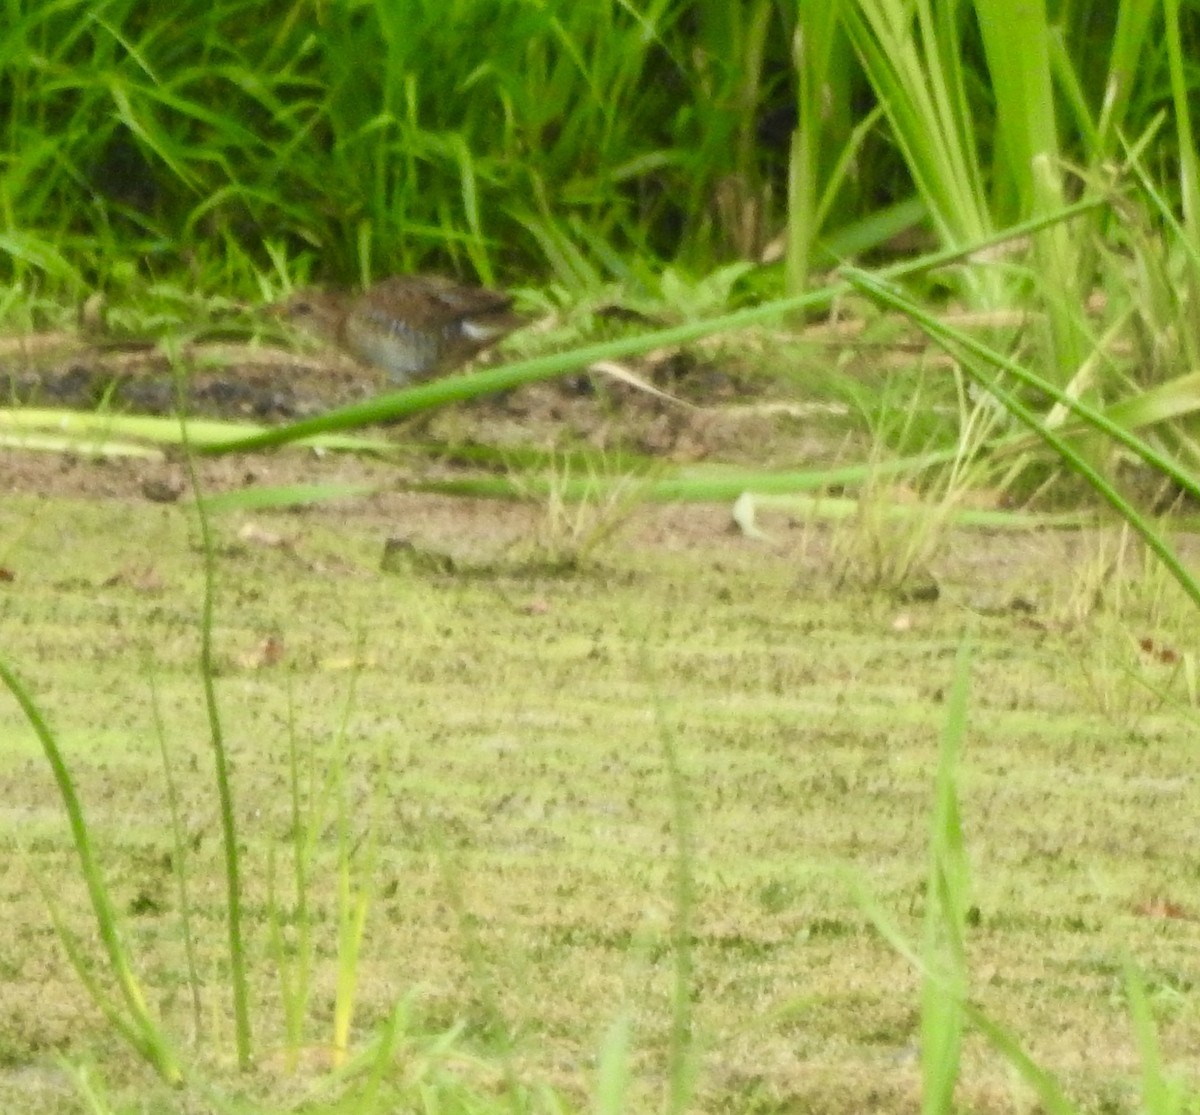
(221, 769)
(694, 485)
(139, 1027)
(958, 343)
(454, 389)
(79, 429)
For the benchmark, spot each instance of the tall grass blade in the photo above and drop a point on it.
(1189, 168)
(180, 859)
(612, 1068)
(812, 51)
(229, 835)
(912, 54)
(1047, 1089)
(138, 1026)
(120, 1022)
(682, 1049)
(941, 960)
(958, 343)
(1160, 1094)
(1129, 42)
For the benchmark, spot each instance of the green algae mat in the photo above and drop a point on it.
(509, 768)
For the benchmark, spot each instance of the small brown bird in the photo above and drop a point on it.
(411, 326)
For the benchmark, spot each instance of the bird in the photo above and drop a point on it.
(411, 326)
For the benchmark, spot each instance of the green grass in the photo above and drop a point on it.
(628, 841)
(500, 139)
(190, 167)
(624, 812)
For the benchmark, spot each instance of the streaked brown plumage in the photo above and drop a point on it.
(411, 326)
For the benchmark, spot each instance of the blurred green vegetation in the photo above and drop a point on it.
(552, 141)
(678, 157)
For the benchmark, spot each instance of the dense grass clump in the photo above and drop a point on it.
(582, 142)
